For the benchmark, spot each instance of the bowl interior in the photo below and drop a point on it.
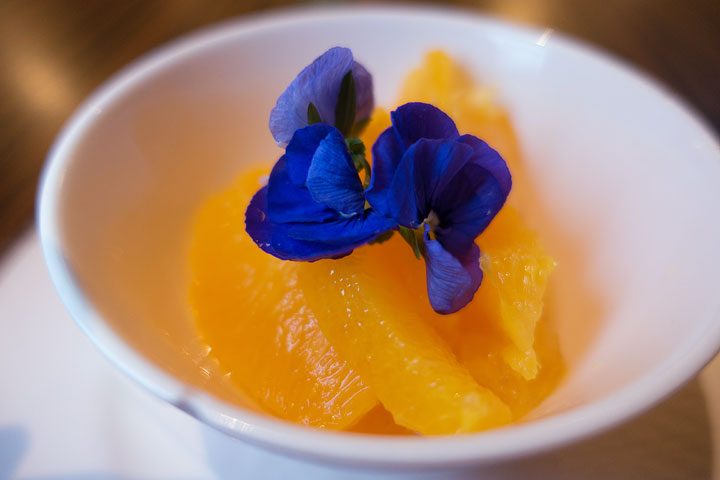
(625, 182)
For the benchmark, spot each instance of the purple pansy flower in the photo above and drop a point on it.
(313, 206)
(320, 84)
(446, 188)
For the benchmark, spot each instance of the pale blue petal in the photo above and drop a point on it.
(451, 281)
(364, 99)
(319, 83)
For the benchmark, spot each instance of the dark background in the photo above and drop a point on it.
(53, 53)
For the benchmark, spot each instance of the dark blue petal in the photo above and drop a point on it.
(411, 122)
(402, 200)
(352, 231)
(424, 172)
(414, 121)
(364, 100)
(288, 202)
(469, 202)
(273, 238)
(300, 150)
(386, 154)
(490, 159)
(332, 178)
(438, 162)
(451, 281)
(319, 83)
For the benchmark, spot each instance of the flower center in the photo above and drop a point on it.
(433, 220)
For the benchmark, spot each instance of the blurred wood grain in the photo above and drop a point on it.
(53, 53)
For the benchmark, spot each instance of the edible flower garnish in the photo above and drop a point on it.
(437, 188)
(314, 205)
(442, 189)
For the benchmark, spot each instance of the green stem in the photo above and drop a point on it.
(414, 238)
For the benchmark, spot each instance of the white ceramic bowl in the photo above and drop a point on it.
(626, 175)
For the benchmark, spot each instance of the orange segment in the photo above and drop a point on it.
(481, 350)
(379, 121)
(379, 421)
(516, 270)
(251, 313)
(439, 80)
(365, 309)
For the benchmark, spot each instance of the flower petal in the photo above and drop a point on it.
(416, 120)
(319, 83)
(332, 178)
(402, 198)
(423, 174)
(344, 231)
(300, 150)
(488, 158)
(411, 122)
(273, 238)
(386, 153)
(469, 203)
(288, 202)
(365, 102)
(451, 281)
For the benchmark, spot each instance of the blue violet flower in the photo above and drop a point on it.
(443, 189)
(437, 188)
(314, 205)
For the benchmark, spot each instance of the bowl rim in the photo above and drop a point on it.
(341, 447)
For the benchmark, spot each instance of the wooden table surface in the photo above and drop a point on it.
(53, 53)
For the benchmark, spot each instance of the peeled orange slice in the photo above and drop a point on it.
(251, 313)
(370, 309)
(481, 349)
(441, 81)
(516, 270)
(507, 340)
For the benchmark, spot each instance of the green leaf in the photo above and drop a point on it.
(414, 239)
(359, 126)
(383, 237)
(357, 151)
(361, 164)
(345, 108)
(355, 145)
(313, 115)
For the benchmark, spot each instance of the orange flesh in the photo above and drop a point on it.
(373, 308)
(251, 314)
(324, 343)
